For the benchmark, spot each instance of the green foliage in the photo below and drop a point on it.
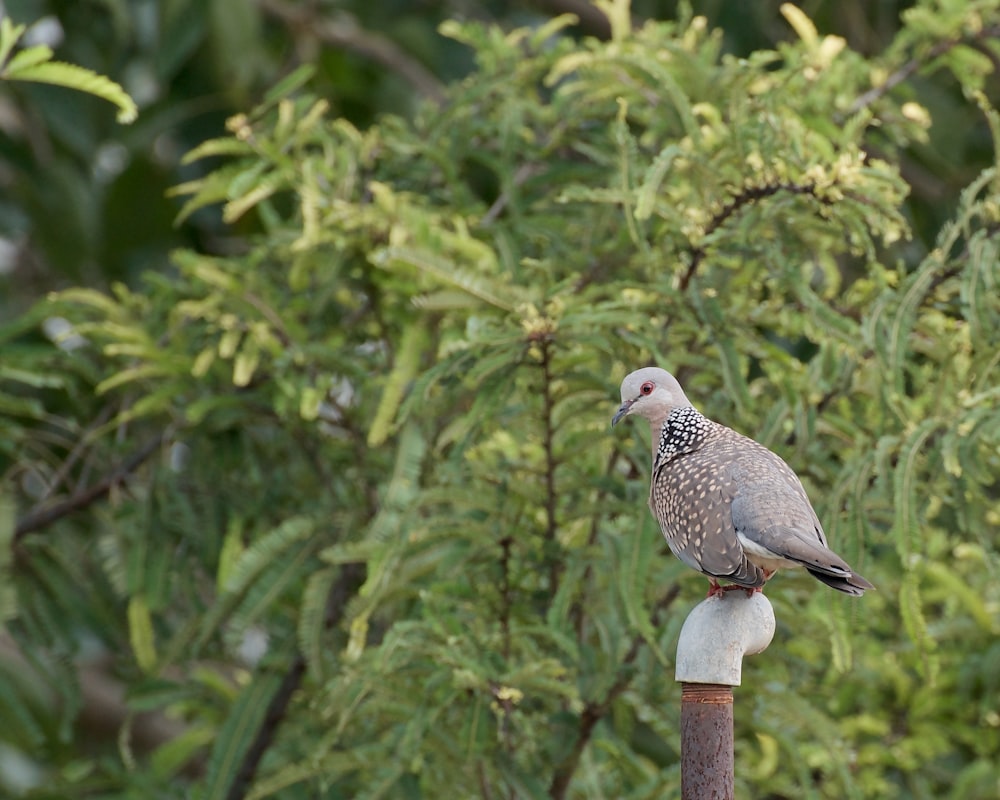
(35, 64)
(378, 434)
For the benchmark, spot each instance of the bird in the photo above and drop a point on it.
(727, 506)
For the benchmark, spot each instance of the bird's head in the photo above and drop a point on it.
(651, 393)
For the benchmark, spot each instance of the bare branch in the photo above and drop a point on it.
(44, 515)
(592, 19)
(506, 600)
(523, 174)
(275, 713)
(595, 710)
(551, 553)
(746, 196)
(348, 582)
(350, 36)
(78, 451)
(914, 64)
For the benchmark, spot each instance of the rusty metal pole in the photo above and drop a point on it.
(718, 632)
(706, 742)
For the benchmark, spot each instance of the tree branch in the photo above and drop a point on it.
(44, 515)
(348, 582)
(595, 710)
(350, 36)
(911, 66)
(576, 611)
(83, 440)
(275, 713)
(524, 173)
(548, 443)
(592, 19)
(746, 196)
(505, 594)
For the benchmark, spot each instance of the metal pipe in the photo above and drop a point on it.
(707, 742)
(716, 635)
(718, 632)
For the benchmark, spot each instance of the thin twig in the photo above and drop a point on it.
(746, 196)
(484, 787)
(592, 19)
(505, 594)
(349, 580)
(548, 443)
(522, 175)
(78, 450)
(42, 516)
(350, 36)
(595, 710)
(576, 612)
(271, 315)
(276, 709)
(911, 66)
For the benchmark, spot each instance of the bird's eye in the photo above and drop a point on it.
(647, 388)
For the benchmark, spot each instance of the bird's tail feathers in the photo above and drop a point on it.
(851, 583)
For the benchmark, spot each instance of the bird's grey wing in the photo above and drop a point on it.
(770, 508)
(773, 514)
(692, 503)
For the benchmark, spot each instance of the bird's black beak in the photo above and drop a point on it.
(622, 412)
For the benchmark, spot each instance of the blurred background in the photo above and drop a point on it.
(83, 200)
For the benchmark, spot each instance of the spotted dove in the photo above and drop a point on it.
(728, 506)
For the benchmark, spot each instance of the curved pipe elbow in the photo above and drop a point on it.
(718, 632)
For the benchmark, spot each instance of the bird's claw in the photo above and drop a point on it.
(715, 590)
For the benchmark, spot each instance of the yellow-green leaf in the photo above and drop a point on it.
(71, 76)
(247, 361)
(140, 632)
(403, 371)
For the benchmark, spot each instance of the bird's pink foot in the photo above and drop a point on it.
(715, 590)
